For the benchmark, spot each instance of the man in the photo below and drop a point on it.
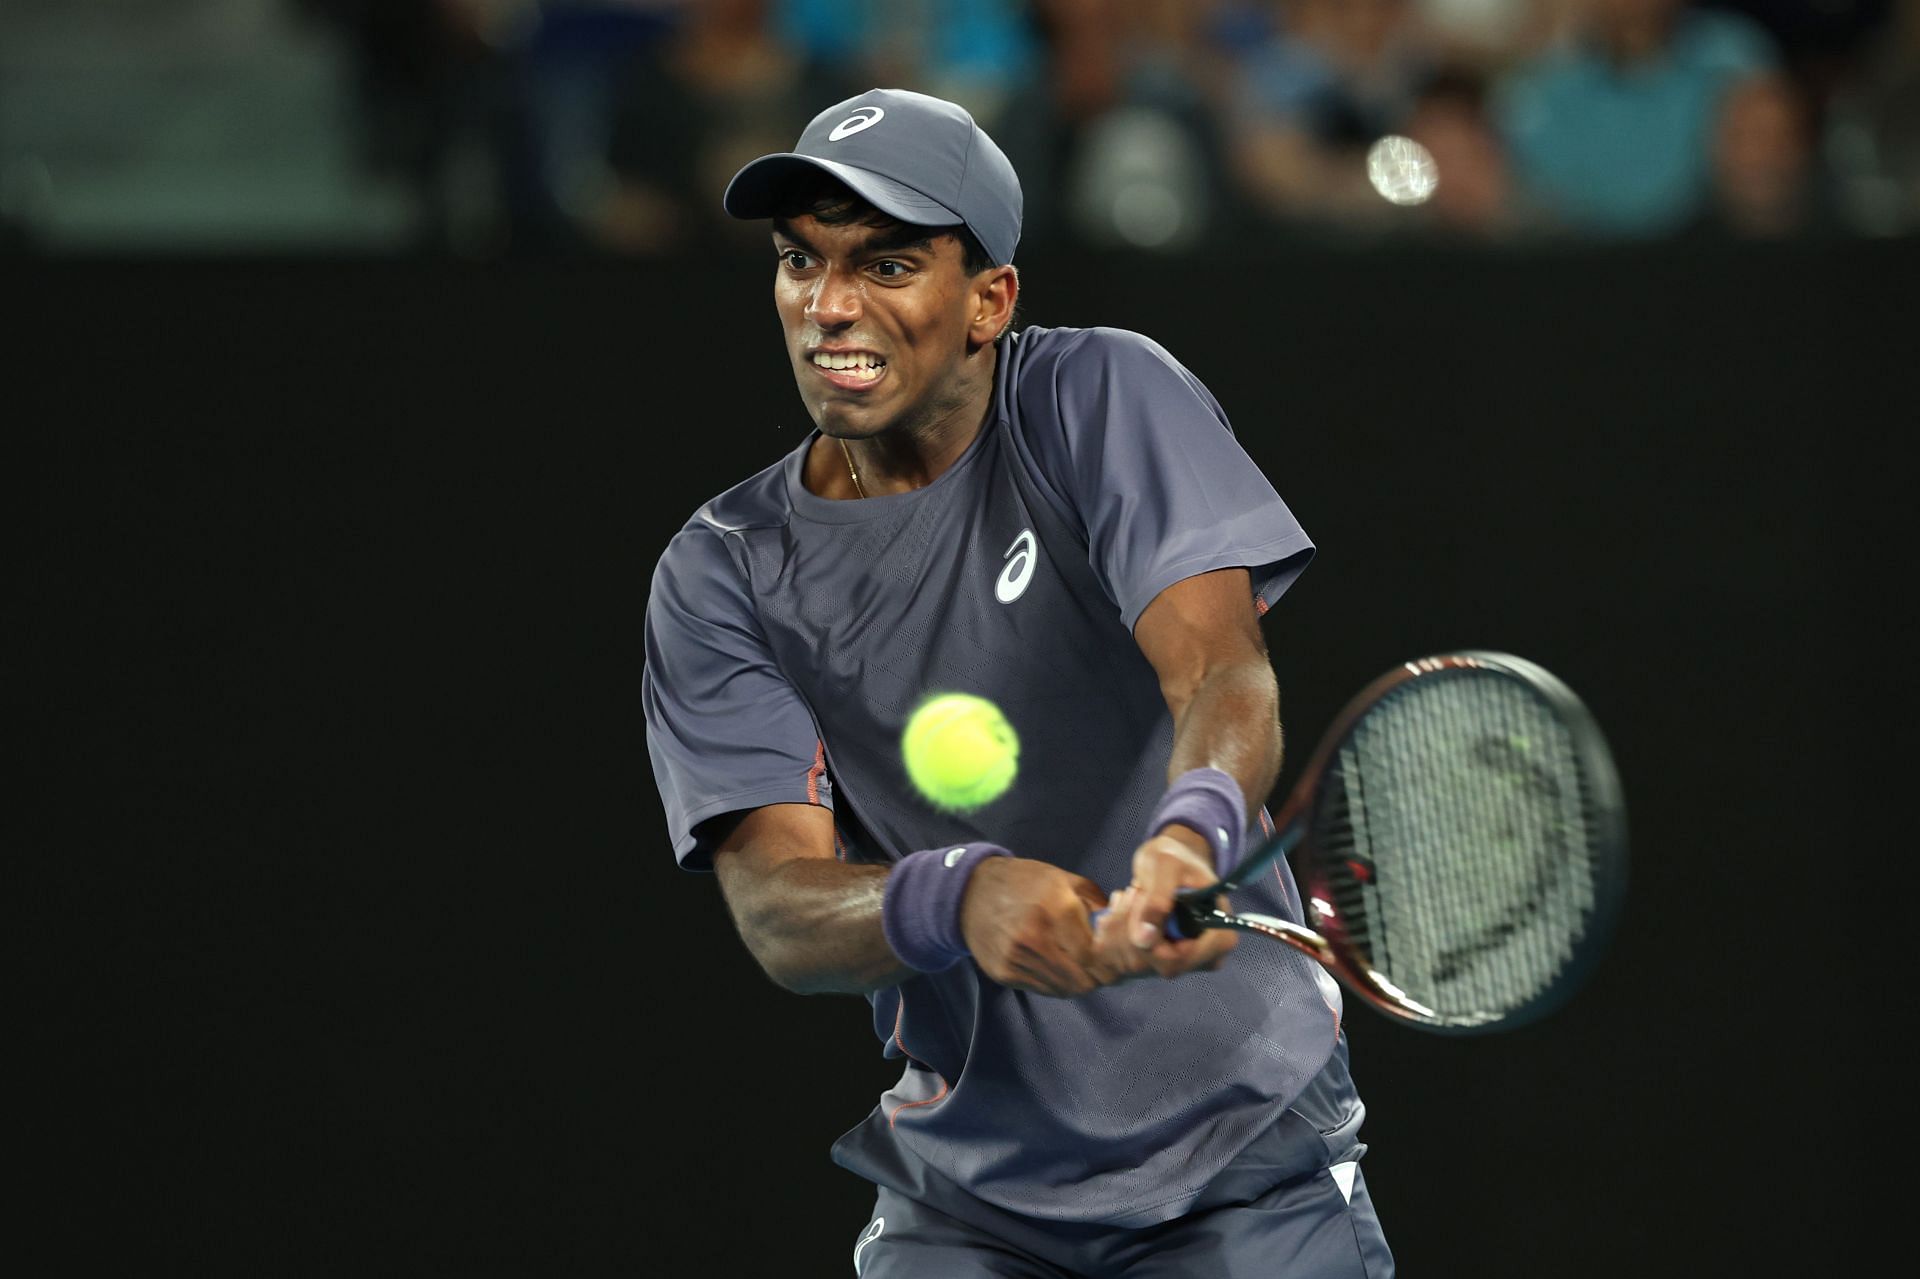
(1611, 132)
(1061, 522)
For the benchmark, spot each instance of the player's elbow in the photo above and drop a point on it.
(809, 961)
(765, 941)
(781, 951)
(787, 971)
(803, 981)
(802, 976)
(786, 979)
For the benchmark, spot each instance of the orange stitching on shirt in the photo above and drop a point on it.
(898, 1017)
(814, 773)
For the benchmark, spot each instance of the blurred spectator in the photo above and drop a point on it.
(1076, 83)
(1821, 41)
(1100, 104)
(689, 111)
(1873, 134)
(1144, 162)
(1765, 185)
(571, 61)
(1487, 36)
(978, 53)
(1336, 76)
(497, 112)
(435, 108)
(544, 125)
(1474, 194)
(1612, 134)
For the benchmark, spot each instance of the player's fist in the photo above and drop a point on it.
(1171, 861)
(1028, 924)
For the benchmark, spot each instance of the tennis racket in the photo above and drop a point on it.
(1459, 839)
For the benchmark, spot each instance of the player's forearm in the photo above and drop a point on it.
(1232, 723)
(814, 925)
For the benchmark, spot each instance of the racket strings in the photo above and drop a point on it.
(1454, 837)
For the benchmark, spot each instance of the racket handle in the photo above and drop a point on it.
(1182, 925)
(1185, 920)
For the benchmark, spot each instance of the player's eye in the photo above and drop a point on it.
(795, 260)
(888, 269)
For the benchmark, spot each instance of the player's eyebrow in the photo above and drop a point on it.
(784, 229)
(898, 238)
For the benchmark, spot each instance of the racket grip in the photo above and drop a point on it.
(1183, 922)
(1181, 925)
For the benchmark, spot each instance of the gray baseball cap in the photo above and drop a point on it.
(919, 159)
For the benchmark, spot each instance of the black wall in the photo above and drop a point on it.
(353, 940)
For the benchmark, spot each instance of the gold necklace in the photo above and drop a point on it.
(858, 487)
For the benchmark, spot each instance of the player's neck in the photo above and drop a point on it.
(907, 456)
(899, 460)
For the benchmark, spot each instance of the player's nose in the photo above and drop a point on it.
(835, 302)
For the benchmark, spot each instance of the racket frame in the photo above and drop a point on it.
(1197, 908)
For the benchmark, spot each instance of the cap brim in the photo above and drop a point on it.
(754, 191)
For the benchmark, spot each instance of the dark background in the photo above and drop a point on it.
(360, 947)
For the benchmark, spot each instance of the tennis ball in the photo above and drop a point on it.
(960, 752)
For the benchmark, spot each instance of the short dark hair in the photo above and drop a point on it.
(822, 196)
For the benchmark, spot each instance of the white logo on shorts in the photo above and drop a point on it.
(1019, 570)
(864, 118)
(873, 1233)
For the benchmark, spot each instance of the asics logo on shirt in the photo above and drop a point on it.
(1021, 557)
(864, 118)
(873, 1233)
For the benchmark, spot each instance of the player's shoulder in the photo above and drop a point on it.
(1042, 351)
(759, 501)
(1071, 379)
(701, 547)
(1057, 373)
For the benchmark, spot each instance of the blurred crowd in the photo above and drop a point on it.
(611, 126)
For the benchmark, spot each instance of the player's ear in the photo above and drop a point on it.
(992, 297)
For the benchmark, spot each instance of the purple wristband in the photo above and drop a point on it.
(1209, 801)
(920, 913)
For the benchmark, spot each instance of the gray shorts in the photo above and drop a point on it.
(1293, 1203)
(1318, 1227)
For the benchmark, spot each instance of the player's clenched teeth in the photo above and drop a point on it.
(859, 363)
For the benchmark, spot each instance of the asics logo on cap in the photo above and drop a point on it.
(863, 118)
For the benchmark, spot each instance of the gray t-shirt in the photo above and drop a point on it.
(790, 636)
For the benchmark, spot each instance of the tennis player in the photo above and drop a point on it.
(1060, 521)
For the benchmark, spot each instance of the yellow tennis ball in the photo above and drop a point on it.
(960, 752)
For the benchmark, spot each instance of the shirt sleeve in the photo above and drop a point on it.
(726, 731)
(1143, 455)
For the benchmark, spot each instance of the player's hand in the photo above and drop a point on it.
(1028, 924)
(1169, 862)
